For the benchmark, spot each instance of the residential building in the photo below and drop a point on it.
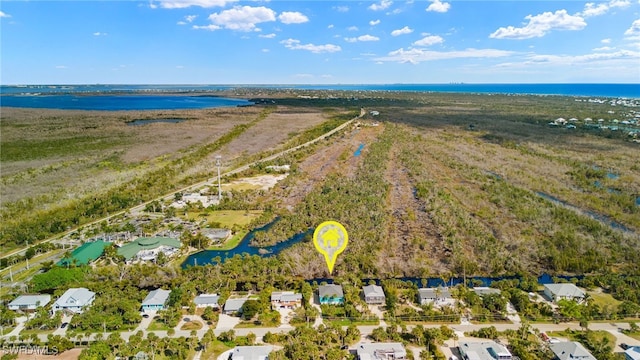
(381, 351)
(331, 294)
(483, 290)
(232, 306)
(570, 350)
(74, 300)
(156, 300)
(285, 300)
(29, 302)
(483, 350)
(567, 291)
(632, 353)
(434, 295)
(216, 235)
(373, 295)
(251, 352)
(207, 300)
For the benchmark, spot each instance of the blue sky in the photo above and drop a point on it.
(318, 42)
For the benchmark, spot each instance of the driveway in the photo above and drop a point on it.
(226, 322)
(144, 324)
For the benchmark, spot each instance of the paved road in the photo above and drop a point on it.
(140, 207)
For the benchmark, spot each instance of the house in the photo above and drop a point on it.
(207, 300)
(74, 300)
(567, 291)
(251, 352)
(29, 302)
(434, 295)
(216, 235)
(632, 353)
(285, 300)
(330, 294)
(570, 350)
(373, 295)
(483, 350)
(483, 290)
(156, 300)
(381, 351)
(232, 306)
(86, 253)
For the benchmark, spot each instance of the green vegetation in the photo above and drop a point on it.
(225, 218)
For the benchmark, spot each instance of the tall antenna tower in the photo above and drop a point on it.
(218, 163)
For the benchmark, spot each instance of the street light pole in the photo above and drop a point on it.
(218, 163)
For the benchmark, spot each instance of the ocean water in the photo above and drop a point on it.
(155, 97)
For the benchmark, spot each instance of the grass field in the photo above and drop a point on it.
(603, 299)
(226, 218)
(231, 243)
(191, 325)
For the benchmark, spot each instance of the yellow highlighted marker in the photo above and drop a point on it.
(330, 239)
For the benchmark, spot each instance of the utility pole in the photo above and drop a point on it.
(218, 163)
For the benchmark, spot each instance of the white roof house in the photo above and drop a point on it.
(374, 294)
(568, 291)
(206, 300)
(571, 350)
(29, 302)
(435, 295)
(156, 300)
(381, 351)
(251, 352)
(285, 300)
(483, 290)
(483, 350)
(632, 353)
(74, 300)
(233, 305)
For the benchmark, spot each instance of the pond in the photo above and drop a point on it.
(209, 256)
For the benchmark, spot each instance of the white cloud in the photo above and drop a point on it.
(61, 67)
(242, 18)
(267, 36)
(415, 56)
(403, 31)
(438, 6)
(187, 19)
(606, 41)
(384, 4)
(539, 25)
(181, 4)
(604, 48)
(330, 26)
(294, 44)
(99, 34)
(179, 67)
(341, 8)
(352, 28)
(374, 22)
(634, 30)
(429, 40)
(592, 9)
(362, 38)
(581, 59)
(292, 17)
(207, 27)
(4, 15)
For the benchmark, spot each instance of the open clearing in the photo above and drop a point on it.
(226, 218)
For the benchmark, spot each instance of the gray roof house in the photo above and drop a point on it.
(232, 306)
(156, 300)
(251, 352)
(330, 294)
(483, 290)
(381, 351)
(207, 300)
(74, 300)
(567, 291)
(434, 295)
(285, 300)
(373, 295)
(632, 353)
(570, 350)
(29, 302)
(483, 350)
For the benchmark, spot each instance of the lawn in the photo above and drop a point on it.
(226, 218)
(231, 243)
(157, 325)
(192, 325)
(603, 299)
(213, 349)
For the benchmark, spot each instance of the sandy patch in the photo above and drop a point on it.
(262, 182)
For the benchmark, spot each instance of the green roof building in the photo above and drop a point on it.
(86, 253)
(147, 248)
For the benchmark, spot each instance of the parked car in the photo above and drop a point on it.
(64, 325)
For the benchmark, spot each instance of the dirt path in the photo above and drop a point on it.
(414, 245)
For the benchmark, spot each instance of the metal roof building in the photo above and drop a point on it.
(29, 302)
(85, 253)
